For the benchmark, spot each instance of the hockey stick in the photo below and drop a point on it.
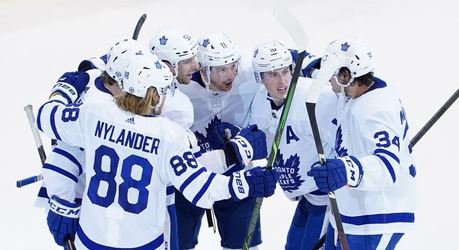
(138, 26)
(296, 31)
(327, 69)
(435, 118)
(415, 139)
(36, 136)
(38, 143)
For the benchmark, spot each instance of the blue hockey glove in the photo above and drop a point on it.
(257, 182)
(217, 136)
(62, 219)
(70, 86)
(335, 173)
(249, 144)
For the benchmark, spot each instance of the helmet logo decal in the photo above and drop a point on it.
(163, 40)
(369, 55)
(139, 52)
(345, 46)
(205, 42)
(158, 65)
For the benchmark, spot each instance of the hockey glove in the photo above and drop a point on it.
(335, 173)
(249, 144)
(218, 134)
(257, 182)
(70, 86)
(62, 219)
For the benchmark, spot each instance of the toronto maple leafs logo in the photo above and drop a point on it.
(163, 40)
(158, 65)
(289, 177)
(340, 150)
(345, 46)
(205, 42)
(203, 140)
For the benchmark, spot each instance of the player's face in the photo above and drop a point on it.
(277, 82)
(222, 77)
(185, 70)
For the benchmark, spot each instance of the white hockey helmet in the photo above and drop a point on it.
(119, 56)
(357, 57)
(217, 50)
(270, 56)
(146, 71)
(173, 46)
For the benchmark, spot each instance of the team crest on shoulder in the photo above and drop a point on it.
(289, 177)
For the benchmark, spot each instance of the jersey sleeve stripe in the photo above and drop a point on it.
(387, 152)
(53, 122)
(61, 171)
(40, 110)
(388, 166)
(203, 189)
(70, 157)
(191, 178)
(378, 218)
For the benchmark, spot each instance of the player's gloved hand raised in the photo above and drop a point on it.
(256, 182)
(249, 144)
(70, 86)
(335, 173)
(219, 133)
(62, 219)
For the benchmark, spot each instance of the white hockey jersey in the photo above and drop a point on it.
(215, 106)
(374, 129)
(132, 160)
(296, 151)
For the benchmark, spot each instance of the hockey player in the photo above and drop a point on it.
(220, 102)
(373, 175)
(178, 50)
(130, 163)
(272, 64)
(102, 76)
(65, 163)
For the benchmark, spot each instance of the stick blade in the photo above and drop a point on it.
(291, 24)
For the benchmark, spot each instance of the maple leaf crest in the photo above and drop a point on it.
(203, 140)
(289, 177)
(340, 150)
